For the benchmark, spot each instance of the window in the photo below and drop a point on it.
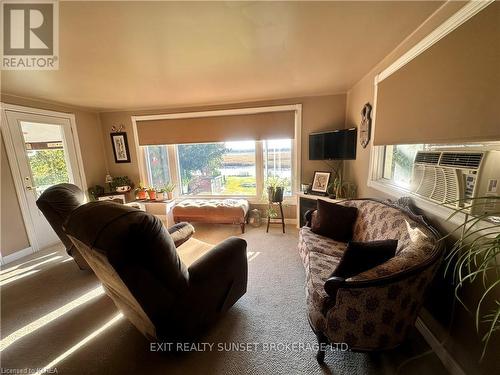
(398, 163)
(226, 168)
(157, 165)
(394, 163)
(278, 161)
(237, 168)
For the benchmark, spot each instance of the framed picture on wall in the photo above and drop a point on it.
(120, 147)
(320, 182)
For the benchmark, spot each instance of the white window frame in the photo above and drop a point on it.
(376, 165)
(259, 161)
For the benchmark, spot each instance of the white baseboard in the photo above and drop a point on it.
(448, 361)
(17, 255)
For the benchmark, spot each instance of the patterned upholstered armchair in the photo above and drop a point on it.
(375, 309)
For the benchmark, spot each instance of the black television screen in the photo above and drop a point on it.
(333, 145)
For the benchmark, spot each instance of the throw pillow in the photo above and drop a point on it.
(362, 256)
(334, 220)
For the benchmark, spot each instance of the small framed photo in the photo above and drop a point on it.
(120, 147)
(320, 182)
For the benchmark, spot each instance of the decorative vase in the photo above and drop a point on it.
(170, 195)
(141, 194)
(160, 196)
(254, 218)
(152, 195)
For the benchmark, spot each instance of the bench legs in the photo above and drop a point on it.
(242, 225)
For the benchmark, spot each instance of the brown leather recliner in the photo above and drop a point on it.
(56, 203)
(136, 259)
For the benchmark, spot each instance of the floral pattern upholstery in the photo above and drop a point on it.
(376, 308)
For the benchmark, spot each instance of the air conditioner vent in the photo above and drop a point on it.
(428, 182)
(439, 192)
(452, 188)
(469, 160)
(427, 157)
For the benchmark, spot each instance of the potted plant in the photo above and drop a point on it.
(169, 189)
(95, 192)
(271, 213)
(473, 259)
(275, 189)
(340, 189)
(121, 184)
(160, 194)
(152, 193)
(141, 192)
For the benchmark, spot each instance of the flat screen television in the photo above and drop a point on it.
(333, 145)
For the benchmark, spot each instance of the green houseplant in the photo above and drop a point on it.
(160, 194)
(95, 192)
(341, 189)
(141, 192)
(169, 189)
(121, 184)
(152, 193)
(276, 188)
(474, 258)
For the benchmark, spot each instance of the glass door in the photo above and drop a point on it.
(46, 156)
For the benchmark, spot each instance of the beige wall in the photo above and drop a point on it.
(13, 234)
(463, 342)
(318, 113)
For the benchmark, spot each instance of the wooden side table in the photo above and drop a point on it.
(280, 220)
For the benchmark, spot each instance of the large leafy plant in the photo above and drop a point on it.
(474, 258)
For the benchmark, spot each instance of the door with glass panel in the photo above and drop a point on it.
(45, 155)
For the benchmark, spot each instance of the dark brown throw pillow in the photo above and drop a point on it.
(362, 256)
(334, 221)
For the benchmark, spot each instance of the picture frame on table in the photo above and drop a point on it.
(320, 182)
(120, 147)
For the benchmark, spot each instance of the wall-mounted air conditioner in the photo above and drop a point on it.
(454, 177)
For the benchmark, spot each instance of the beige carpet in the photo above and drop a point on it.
(53, 313)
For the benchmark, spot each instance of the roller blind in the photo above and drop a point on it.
(268, 125)
(449, 93)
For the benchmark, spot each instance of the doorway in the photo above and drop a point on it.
(42, 148)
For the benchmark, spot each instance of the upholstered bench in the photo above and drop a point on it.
(217, 211)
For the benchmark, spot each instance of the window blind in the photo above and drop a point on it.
(449, 93)
(258, 126)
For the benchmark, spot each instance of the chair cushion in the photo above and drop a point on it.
(192, 250)
(312, 242)
(362, 256)
(319, 269)
(334, 221)
(215, 209)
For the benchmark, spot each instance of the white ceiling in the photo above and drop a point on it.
(116, 55)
